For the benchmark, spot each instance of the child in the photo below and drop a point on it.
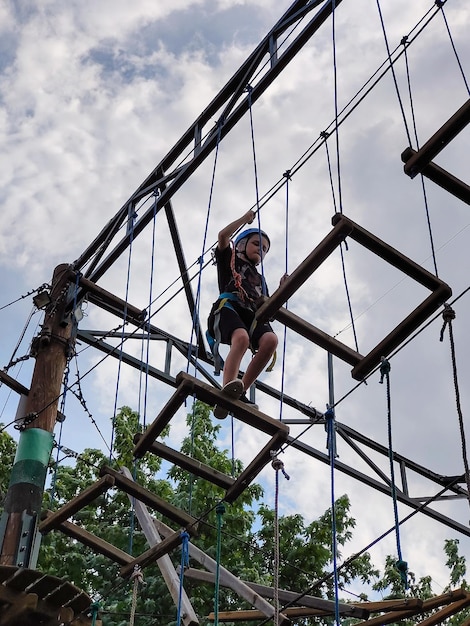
(231, 317)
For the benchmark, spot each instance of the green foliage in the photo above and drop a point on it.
(247, 540)
(7, 455)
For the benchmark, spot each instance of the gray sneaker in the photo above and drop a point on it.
(232, 390)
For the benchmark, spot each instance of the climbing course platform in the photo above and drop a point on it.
(31, 598)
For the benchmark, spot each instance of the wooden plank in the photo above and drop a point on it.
(446, 612)
(94, 542)
(17, 612)
(162, 420)
(187, 463)
(317, 336)
(427, 605)
(312, 602)
(22, 578)
(7, 571)
(164, 562)
(242, 411)
(303, 271)
(54, 520)
(438, 141)
(13, 384)
(254, 468)
(63, 594)
(80, 603)
(253, 598)
(402, 331)
(442, 177)
(100, 295)
(151, 555)
(147, 497)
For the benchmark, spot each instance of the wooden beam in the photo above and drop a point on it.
(438, 141)
(147, 497)
(112, 303)
(312, 602)
(161, 421)
(303, 271)
(95, 543)
(253, 598)
(317, 336)
(427, 605)
(189, 464)
(164, 562)
(152, 554)
(13, 384)
(446, 612)
(241, 410)
(54, 520)
(441, 177)
(255, 467)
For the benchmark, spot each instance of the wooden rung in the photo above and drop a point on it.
(63, 594)
(189, 464)
(241, 410)
(291, 597)
(303, 271)
(442, 177)
(92, 541)
(438, 141)
(253, 614)
(80, 603)
(254, 468)
(23, 578)
(402, 331)
(344, 227)
(100, 295)
(318, 337)
(152, 554)
(162, 420)
(149, 498)
(76, 504)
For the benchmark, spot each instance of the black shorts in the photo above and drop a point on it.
(233, 318)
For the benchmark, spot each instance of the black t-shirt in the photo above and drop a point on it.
(251, 280)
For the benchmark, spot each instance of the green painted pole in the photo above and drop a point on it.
(19, 537)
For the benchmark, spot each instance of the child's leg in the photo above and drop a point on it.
(266, 347)
(239, 345)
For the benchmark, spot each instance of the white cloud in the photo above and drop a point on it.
(93, 95)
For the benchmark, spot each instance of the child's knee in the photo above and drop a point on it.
(268, 341)
(240, 339)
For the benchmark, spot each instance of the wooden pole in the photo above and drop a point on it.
(18, 526)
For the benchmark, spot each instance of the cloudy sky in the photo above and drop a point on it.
(94, 94)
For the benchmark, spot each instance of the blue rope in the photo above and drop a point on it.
(184, 563)
(146, 337)
(130, 226)
(220, 510)
(401, 565)
(249, 89)
(288, 178)
(331, 444)
(330, 427)
(335, 74)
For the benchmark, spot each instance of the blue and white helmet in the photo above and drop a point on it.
(246, 234)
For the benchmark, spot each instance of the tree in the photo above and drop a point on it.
(247, 531)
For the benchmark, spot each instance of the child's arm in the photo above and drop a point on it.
(226, 233)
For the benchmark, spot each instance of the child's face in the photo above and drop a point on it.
(256, 248)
